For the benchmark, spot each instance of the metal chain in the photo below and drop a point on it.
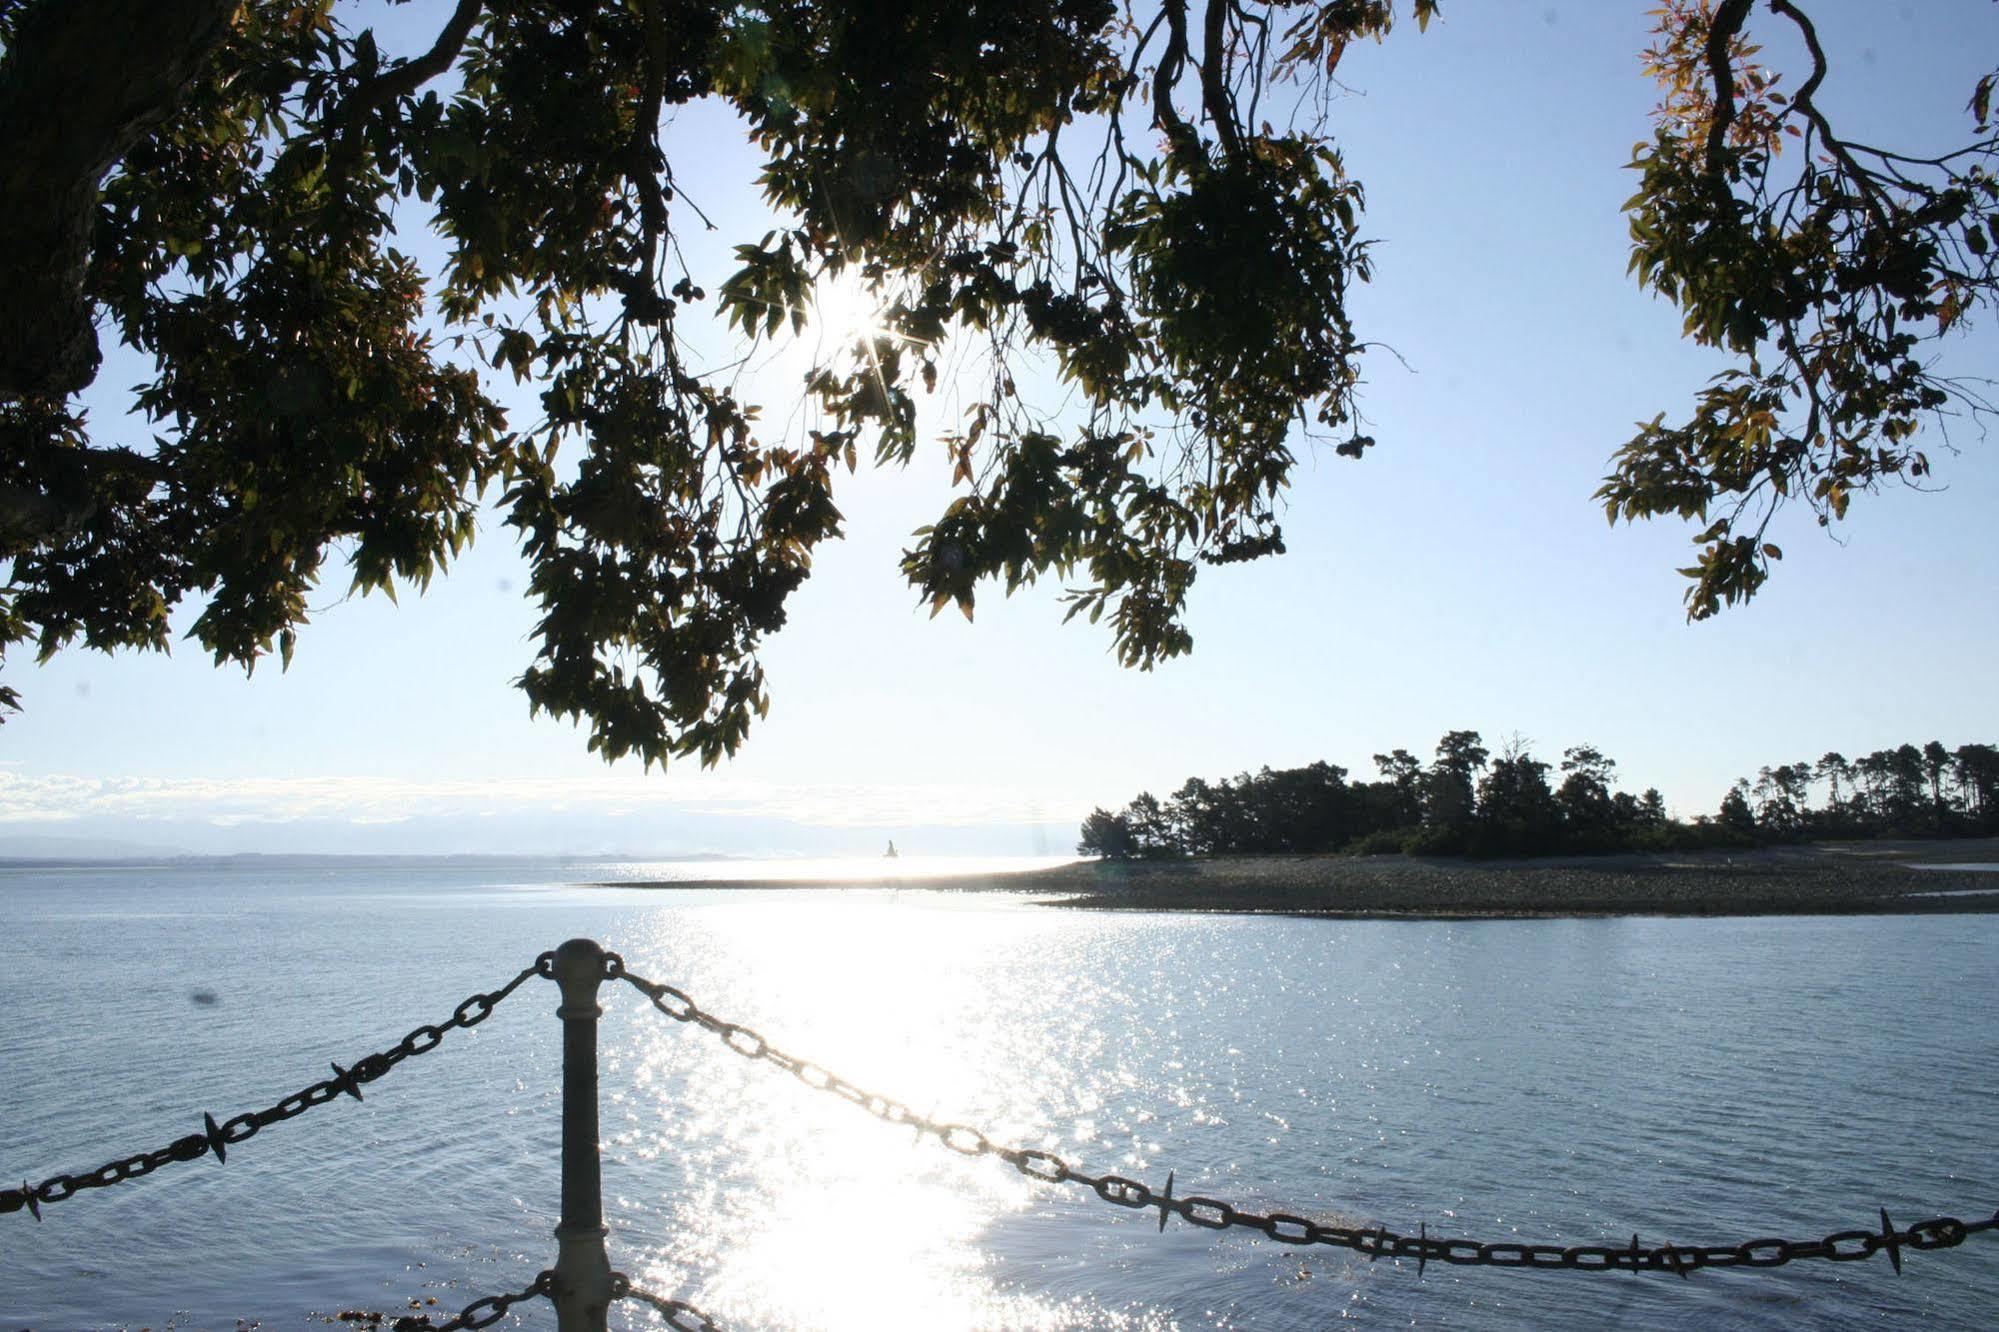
(218, 1138)
(1943, 1232)
(483, 1312)
(680, 1315)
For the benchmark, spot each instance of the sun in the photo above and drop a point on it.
(844, 311)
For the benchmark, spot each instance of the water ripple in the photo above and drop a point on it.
(1561, 1081)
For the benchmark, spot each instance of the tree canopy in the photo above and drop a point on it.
(1474, 801)
(1094, 186)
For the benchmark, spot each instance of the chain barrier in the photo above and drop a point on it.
(482, 1312)
(219, 1138)
(680, 1315)
(1943, 1232)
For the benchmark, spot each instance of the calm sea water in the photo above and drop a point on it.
(1558, 1081)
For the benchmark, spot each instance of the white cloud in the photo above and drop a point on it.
(59, 798)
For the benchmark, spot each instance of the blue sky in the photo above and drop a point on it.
(1460, 576)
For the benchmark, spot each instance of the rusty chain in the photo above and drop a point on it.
(218, 1138)
(680, 1316)
(1038, 1164)
(1943, 1232)
(482, 1312)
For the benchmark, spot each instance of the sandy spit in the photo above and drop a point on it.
(1831, 879)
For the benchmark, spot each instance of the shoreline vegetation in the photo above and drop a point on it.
(1507, 804)
(1824, 879)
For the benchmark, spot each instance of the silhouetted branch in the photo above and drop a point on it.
(1721, 35)
(82, 81)
(403, 79)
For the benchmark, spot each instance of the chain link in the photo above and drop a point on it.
(219, 1138)
(1207, 1213)
(680, 1315)
(482, 1312)
(1943, 1232)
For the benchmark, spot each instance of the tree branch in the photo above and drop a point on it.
(1802, 100)
(645, 165)
(1171, 63)
(83, 81)
(1728, 21)
(1215, 97)
(403, 79)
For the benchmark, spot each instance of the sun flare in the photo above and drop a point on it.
(844, 311)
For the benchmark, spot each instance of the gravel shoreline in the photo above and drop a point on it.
(1834, 879)
(1801, 881)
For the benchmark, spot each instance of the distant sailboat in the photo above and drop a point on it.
(891, 853)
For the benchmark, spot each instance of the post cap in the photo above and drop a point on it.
(579, 970)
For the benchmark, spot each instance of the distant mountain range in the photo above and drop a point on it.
(83, 848)
(99, 850)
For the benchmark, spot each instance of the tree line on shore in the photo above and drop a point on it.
(1469, 800)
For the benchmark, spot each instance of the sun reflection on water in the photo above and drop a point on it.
(787, 1208)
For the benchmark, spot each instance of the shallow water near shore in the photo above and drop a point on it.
(1564, 1081)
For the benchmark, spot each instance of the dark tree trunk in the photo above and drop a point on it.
(83, 81)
